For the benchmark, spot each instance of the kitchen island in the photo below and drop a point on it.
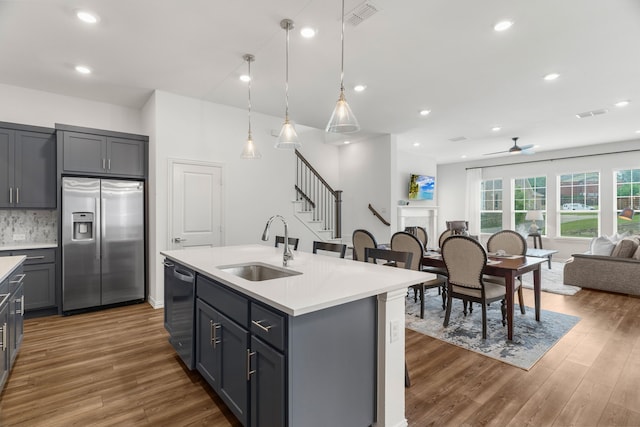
(341, 337)
(11, 313)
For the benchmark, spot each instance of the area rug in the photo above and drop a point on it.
(531, 339)
(552, 280)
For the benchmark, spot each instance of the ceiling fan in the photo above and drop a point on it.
(516, 149)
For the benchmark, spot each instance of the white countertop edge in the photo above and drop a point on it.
(318, 270)
(25, 246)
(8, 264)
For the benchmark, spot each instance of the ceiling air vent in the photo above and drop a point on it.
(458, 139)
(592, 113)
(360, 13)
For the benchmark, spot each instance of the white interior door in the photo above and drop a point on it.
(195, 201)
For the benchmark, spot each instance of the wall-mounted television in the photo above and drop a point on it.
(421, 187)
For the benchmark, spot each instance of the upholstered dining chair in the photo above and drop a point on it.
(397, 259)
(443, 236)
(420, 233)
(465, 260)
(329, 247)
(293, 241)
(407, 242)
(458, 227)
(512, 243)
(362, 239)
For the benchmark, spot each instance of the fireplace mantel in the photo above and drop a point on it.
(424, 216)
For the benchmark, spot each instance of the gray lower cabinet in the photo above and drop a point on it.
(102, 154)
(40, 278)
(16, 316)
(271, 369)
(27, 167)
(4, 339)
(11, 321)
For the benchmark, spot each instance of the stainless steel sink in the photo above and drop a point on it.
(257, 271)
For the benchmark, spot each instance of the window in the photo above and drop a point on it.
(579, 204)
(529, 194)
(628, 195)
(491, 206)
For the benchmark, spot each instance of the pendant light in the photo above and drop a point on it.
(249, 151)
(342, 120)
(288, 137)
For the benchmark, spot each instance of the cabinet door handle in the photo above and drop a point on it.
(249, 371)
(19, 280)
(109, 164)
(213, 334)
(4, 337)
(35, 257)
(21, 310)
(258, 323)
(10, 194)
(17, 195)
(104, 165)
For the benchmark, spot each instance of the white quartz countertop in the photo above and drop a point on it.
(325, 281)
(23, 246)
(8, 264)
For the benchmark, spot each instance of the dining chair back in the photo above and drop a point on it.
(458, 226)
(362, 239)
(465, 260)
(329, 247)
(420, 233)
(293, 241)
(511, 242)
(446, 233)
(407, 242)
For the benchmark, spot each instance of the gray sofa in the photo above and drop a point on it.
(618, 272)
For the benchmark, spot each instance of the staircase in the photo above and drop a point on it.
(317, 205)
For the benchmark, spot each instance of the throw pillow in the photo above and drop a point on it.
(625, 248)
(601, 246)
(616, 237)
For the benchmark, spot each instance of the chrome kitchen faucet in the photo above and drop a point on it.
(287, 254)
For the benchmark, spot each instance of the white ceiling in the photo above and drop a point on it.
(441, 55)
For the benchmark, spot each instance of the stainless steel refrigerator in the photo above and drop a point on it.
(102, 242)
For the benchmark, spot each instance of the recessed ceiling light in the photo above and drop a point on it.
(416, 144)
(83, 69)
(638, 131)
(622, 103)
(359, 88)
(425, 112)
(503, 25)
(551, 76)
(347, 142)
(496, 128)
(307, 32)
(464, 156)
(245, 78)
(88, 17)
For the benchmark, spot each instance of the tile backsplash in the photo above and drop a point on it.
(38, 226)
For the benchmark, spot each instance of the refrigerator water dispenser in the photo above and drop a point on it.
(82, 225)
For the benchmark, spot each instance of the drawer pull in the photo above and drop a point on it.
(35, 257)
(19, 280)
(258, 323)
(167, 264)
(3, 344)
(249, 371)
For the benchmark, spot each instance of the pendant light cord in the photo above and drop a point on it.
(286, 76)
(342, 56)
(249, 86)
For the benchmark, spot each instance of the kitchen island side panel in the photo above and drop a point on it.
(332, 366)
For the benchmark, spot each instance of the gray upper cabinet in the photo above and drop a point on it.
(103, 154)
(27, 168)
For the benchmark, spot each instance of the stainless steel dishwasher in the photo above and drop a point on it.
(179, 306)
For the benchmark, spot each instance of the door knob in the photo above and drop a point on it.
(179, 240)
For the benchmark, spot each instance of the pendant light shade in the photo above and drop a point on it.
(249, 151)
(342, 120)
(288, 137)
(626, 214)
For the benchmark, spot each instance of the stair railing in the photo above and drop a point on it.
(318, 197)
(375, 212)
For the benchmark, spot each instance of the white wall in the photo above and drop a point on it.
(453, 180)
(191, 129)
(365, 171)
(38, 108)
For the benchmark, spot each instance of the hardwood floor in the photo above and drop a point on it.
(115, 367)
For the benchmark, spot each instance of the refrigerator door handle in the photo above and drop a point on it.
(97, 221)
(103, 216)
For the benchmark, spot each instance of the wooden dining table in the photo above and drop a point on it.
(509, 268)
